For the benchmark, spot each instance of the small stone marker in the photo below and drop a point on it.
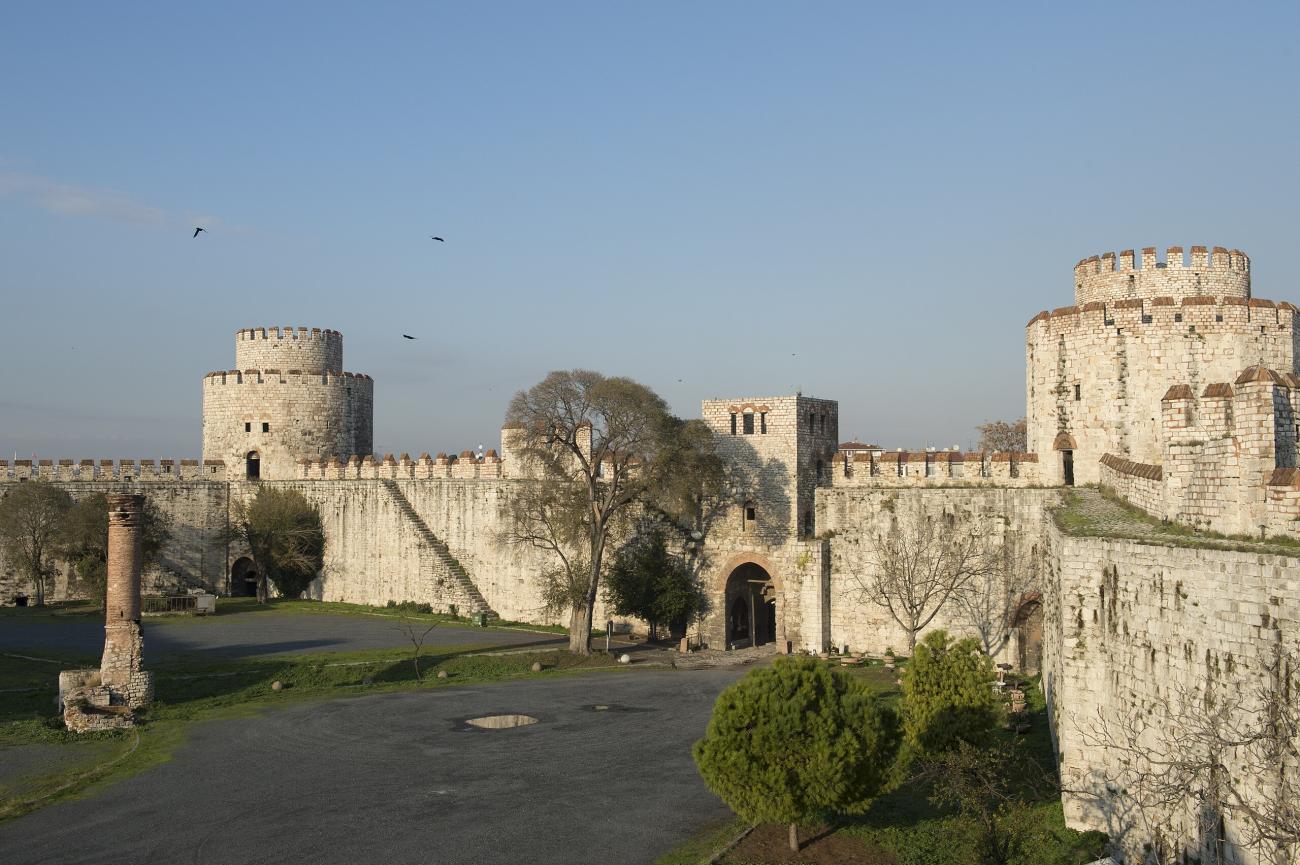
(442, 674)
(537, 666)
(685, 645)
(625, 659)
(277, 685)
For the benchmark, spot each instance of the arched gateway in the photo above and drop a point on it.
(243, 578)
(750, 606)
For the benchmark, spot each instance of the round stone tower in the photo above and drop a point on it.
(289, 399)
(1096, 371)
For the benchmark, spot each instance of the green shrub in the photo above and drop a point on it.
(948, 696)
(797, 742)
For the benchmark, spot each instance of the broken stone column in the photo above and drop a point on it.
(123, 644)
(104, 698)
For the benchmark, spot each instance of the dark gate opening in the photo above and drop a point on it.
(1067, 465)
(243, 578)
(254, 464)
(751, 607)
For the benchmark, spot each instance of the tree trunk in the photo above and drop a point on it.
(580, 630)
(580, 621)
(911, 643)
(40, 589)
(794, 837)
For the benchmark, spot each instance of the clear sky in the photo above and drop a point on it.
(864, 201)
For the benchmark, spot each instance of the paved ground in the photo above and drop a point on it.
(399, 779)
(253, 633)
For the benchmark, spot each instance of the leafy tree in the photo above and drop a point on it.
(83, 540)
(283, 532)
(796, 742)
(948, 696)
(992, 787)
(648, 581)
(598, 445)
(1001, 436)
(31, 517)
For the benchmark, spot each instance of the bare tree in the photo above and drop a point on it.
(416, 633)
(32, 516)
(1222, 752)
(995, 593)
(917, 565)
(1000, 436)
(599, 446)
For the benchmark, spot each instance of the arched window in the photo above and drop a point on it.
(253, 463)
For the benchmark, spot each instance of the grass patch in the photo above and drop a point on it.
(705, 844)
(189, 692)
(1098, 512)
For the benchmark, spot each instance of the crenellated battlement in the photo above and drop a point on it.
(286, 347)
(464, 466)
(1192, 314)
(108, 471)
(1109, 277)
(288, 376)
(933, 468)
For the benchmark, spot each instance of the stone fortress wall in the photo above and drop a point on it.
(1147, 637)
(193, 496)
(1168, 382)
(1096, 371)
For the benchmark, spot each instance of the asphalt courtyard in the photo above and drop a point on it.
(401, 778)
(255, 633)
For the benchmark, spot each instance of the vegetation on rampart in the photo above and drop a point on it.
(1097, 512)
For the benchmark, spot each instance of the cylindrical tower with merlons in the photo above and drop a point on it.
(1096, 371)
(288, 400)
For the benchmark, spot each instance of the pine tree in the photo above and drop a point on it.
(797, 742)
(948, 696)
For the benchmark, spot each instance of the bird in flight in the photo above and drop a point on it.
(435, 237)
(196, 232)
(407, 336)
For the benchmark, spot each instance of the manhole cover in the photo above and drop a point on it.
(501, 722)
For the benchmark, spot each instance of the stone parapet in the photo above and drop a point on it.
(110, 471)
(933, 468)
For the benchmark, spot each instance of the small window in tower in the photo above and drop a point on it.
(812, 420)
(733, 423)
(1191, 328)
(248, 427)
(749, 423)
(1076, 393)
(1261, 328)
(762, 423)
(266, 427)
(1178, 316)
(1218, 316)
(1146, 319)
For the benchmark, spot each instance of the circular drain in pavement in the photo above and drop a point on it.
(501, 722)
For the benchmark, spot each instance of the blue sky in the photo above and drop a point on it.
(865, 201)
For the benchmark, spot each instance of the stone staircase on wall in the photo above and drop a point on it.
(437, 565)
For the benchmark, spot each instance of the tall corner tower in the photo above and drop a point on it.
(1096, 371)
(287, 399)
